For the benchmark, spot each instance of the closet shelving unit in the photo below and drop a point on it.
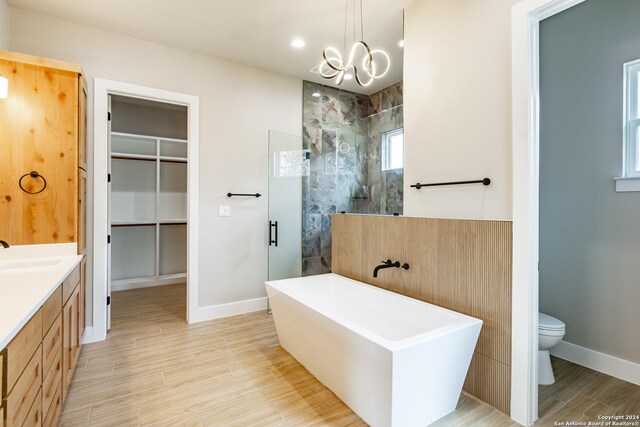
(148, 210)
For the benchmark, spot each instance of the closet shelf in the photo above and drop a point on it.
(172, 221)
(132, 223)
(127, 156)
(173, 159)
(138, 136)
(147, 223)
(148, 208)
(147, 157)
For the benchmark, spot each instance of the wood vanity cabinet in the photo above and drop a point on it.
(42, 129)
(38, 364)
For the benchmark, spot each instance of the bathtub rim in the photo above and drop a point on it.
(463, 320)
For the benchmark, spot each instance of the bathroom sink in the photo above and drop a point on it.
(18, 265)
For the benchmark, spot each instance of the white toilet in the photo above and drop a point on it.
(550, 333)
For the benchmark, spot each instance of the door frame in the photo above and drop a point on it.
(102, 89)
(525, 56)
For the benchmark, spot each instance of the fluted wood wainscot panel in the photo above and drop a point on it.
(462, 265)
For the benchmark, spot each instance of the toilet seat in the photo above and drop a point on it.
(549, 325)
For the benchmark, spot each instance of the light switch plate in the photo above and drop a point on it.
(224, 210)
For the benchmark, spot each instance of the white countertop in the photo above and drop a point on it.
(28, 276)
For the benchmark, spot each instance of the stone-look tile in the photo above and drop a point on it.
(311, 235)
(325, 236)
(311, 266)
(342, 131)
(393, 190)
(375, 103)
(326, 264)
(347, 159)
(362, 107)
(330, 109)
(328, 207)
(329, 151)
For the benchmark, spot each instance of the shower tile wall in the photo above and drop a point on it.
(334, 129)
(385, 114)
(338, 130)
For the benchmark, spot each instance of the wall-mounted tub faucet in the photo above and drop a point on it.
(389, 264)
(4, 244)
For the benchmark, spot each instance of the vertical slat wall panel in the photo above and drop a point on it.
(462, 265)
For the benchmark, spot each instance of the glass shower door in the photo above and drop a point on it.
(287, 165)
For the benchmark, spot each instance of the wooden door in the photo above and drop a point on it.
(38, 132)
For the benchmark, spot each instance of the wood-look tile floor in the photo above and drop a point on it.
(155, 369)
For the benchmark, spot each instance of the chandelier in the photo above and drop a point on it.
(367, 64)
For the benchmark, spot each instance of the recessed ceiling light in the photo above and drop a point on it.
(348, 76)
(401, 43)
(316, 94)
(298, 43)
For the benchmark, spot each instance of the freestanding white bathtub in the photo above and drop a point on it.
(394, 360)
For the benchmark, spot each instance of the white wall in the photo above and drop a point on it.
(457, 107)
(4, 25)
(238, 105)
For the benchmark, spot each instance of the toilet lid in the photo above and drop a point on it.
(549, 323)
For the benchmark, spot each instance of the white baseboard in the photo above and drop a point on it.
(145, 284)
(601, 362)
(231, 309)
(88, 337)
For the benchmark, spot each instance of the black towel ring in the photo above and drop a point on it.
(32, 174)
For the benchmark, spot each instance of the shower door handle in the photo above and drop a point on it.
(273, 236)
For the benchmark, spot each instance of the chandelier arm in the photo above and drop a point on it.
(338, 58)
(358, 80)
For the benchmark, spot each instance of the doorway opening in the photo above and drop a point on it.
(145, 191)
(147, 203)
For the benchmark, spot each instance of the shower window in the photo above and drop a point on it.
(393, 150)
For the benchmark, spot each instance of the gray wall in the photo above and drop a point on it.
(589, 234)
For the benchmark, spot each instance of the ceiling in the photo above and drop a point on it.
(251, 32)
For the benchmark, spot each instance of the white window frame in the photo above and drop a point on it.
(386, 137)
(630, 179)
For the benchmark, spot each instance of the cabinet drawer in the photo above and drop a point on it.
(19, 401)
(51, 309)
(34, 417)
(20, 350)
(51, 344)
(51, 415)
(51, 383)
(70, 284)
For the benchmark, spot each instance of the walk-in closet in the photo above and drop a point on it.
(148, 195)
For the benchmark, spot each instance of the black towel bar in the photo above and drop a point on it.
(244, 194)
(484, 181)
